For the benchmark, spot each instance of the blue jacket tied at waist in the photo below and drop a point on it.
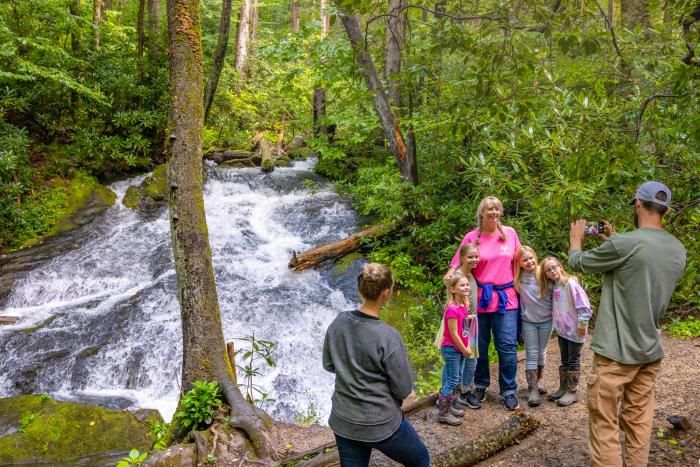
(487, 293)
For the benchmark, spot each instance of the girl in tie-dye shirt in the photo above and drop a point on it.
(571, 311)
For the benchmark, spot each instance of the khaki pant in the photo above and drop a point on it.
(620, 396)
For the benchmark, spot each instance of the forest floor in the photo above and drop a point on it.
(561, 438)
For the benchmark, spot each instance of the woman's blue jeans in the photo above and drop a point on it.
(536, 336)
(505, 328)
(404, 446)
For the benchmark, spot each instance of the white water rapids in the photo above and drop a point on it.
(115, 338)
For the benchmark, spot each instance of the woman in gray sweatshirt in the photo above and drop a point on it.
(372, 378)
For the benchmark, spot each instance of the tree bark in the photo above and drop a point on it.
(395, 40)
(611, 14)
(74, 9)
(634, 13)
(96, 20)
(219, 56)
(243, 39)
(319, 103)
(406, 161)
(204, 350)
(154, 42)
(314, 257)
(266, 153)
(141, 37)
(295, 16)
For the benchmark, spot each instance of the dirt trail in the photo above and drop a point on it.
(561, 439)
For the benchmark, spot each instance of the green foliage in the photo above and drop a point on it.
(199, 404)
(157, 431)
(135, 458)
(27, 419)
(684, 328)
(260, 350)
(309, 417)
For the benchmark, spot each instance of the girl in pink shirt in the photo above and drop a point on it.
(497, 301)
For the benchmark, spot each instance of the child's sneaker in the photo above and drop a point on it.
(469, 400)
(480, 394)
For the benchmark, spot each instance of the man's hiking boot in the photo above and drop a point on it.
(468, 399)
(570, 396)
(480, 393)
(510, 402)
(540, 373)
(533, 394)
(445, 414)
(562, 385)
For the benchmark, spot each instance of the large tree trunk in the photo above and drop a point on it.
(203, 347)
(243, 39)
(96, 20)
(141, 37)
(395, 39)
(295, 16)
(154, 44)
(222, 44)
(634, 13)
(74, 9)
(406, 159)
(319, 103)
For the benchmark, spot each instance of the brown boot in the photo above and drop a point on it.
(562, 385)
(540, 373)
(570, 395)
(445, 414)
(457, 408)
(533, 395)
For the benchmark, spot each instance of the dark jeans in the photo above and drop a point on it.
(404, 447)
(505, 328)
(570, 352)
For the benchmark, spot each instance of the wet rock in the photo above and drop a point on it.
(155, 186)
(41, 430)
(132, 197)
(174, 456)
(238, 163)
(223, 156)
(283, 162)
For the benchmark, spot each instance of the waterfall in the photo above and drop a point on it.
(101, 323)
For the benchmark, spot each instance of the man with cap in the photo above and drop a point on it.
(641, 269)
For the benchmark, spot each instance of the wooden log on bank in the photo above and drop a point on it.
(314, 257)
(9, 319)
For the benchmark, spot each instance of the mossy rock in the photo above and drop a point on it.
(155, 186)
(40, 430)
(283, 162)
(132, 197)
(237, 163)
(267, 166)
(298, 154)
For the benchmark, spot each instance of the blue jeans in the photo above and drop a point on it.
(536, 337)
(404, 446)
(505, 328)
(452, 371)
(468, 373)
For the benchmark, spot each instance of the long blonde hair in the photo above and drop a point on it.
(516, 264)
(483, 205)
(453, 282)
(545, 282)
(464, 250)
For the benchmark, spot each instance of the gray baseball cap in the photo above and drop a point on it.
(653, 192)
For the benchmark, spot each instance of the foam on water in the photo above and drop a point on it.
(115, 337)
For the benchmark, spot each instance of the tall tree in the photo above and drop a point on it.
(319, 103)
(295, 16)
(218, 65)
(74, 9)
(395, 39)
(404, 153)
(203, 349)
(141, 33)
(634, 13)
(96, 20)
(243, 39)
(154, 43)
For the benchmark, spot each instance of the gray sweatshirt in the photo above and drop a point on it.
(372, 376)
(534, 309)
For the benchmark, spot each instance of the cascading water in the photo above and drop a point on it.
(113, 331)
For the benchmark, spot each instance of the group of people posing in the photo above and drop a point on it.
(496, 287)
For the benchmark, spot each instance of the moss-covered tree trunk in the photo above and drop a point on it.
(404, 153)
(204, 350)
(395, 39)
(222, 44)
(154, 40)
(319, 102)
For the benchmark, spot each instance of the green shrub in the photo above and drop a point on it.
(199, 405)
(684, 328)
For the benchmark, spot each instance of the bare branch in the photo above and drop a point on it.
(644, 107)
(608, 22)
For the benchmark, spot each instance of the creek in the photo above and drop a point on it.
(101, 323)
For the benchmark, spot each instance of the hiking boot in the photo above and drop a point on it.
(444, 412)
(533, 394)
(459, 403)
(510, 402)
(480, 394)
(540, 373)
(455, 409)
(570, 396)
(469, 400)
(562, 385)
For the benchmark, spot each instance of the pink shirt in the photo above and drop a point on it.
(458, 312)
(496, 260)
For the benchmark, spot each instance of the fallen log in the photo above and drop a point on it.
(266, 153)
(9, 319)
(490, 443)
(338, 249)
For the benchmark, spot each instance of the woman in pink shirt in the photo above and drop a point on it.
(498, 303)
